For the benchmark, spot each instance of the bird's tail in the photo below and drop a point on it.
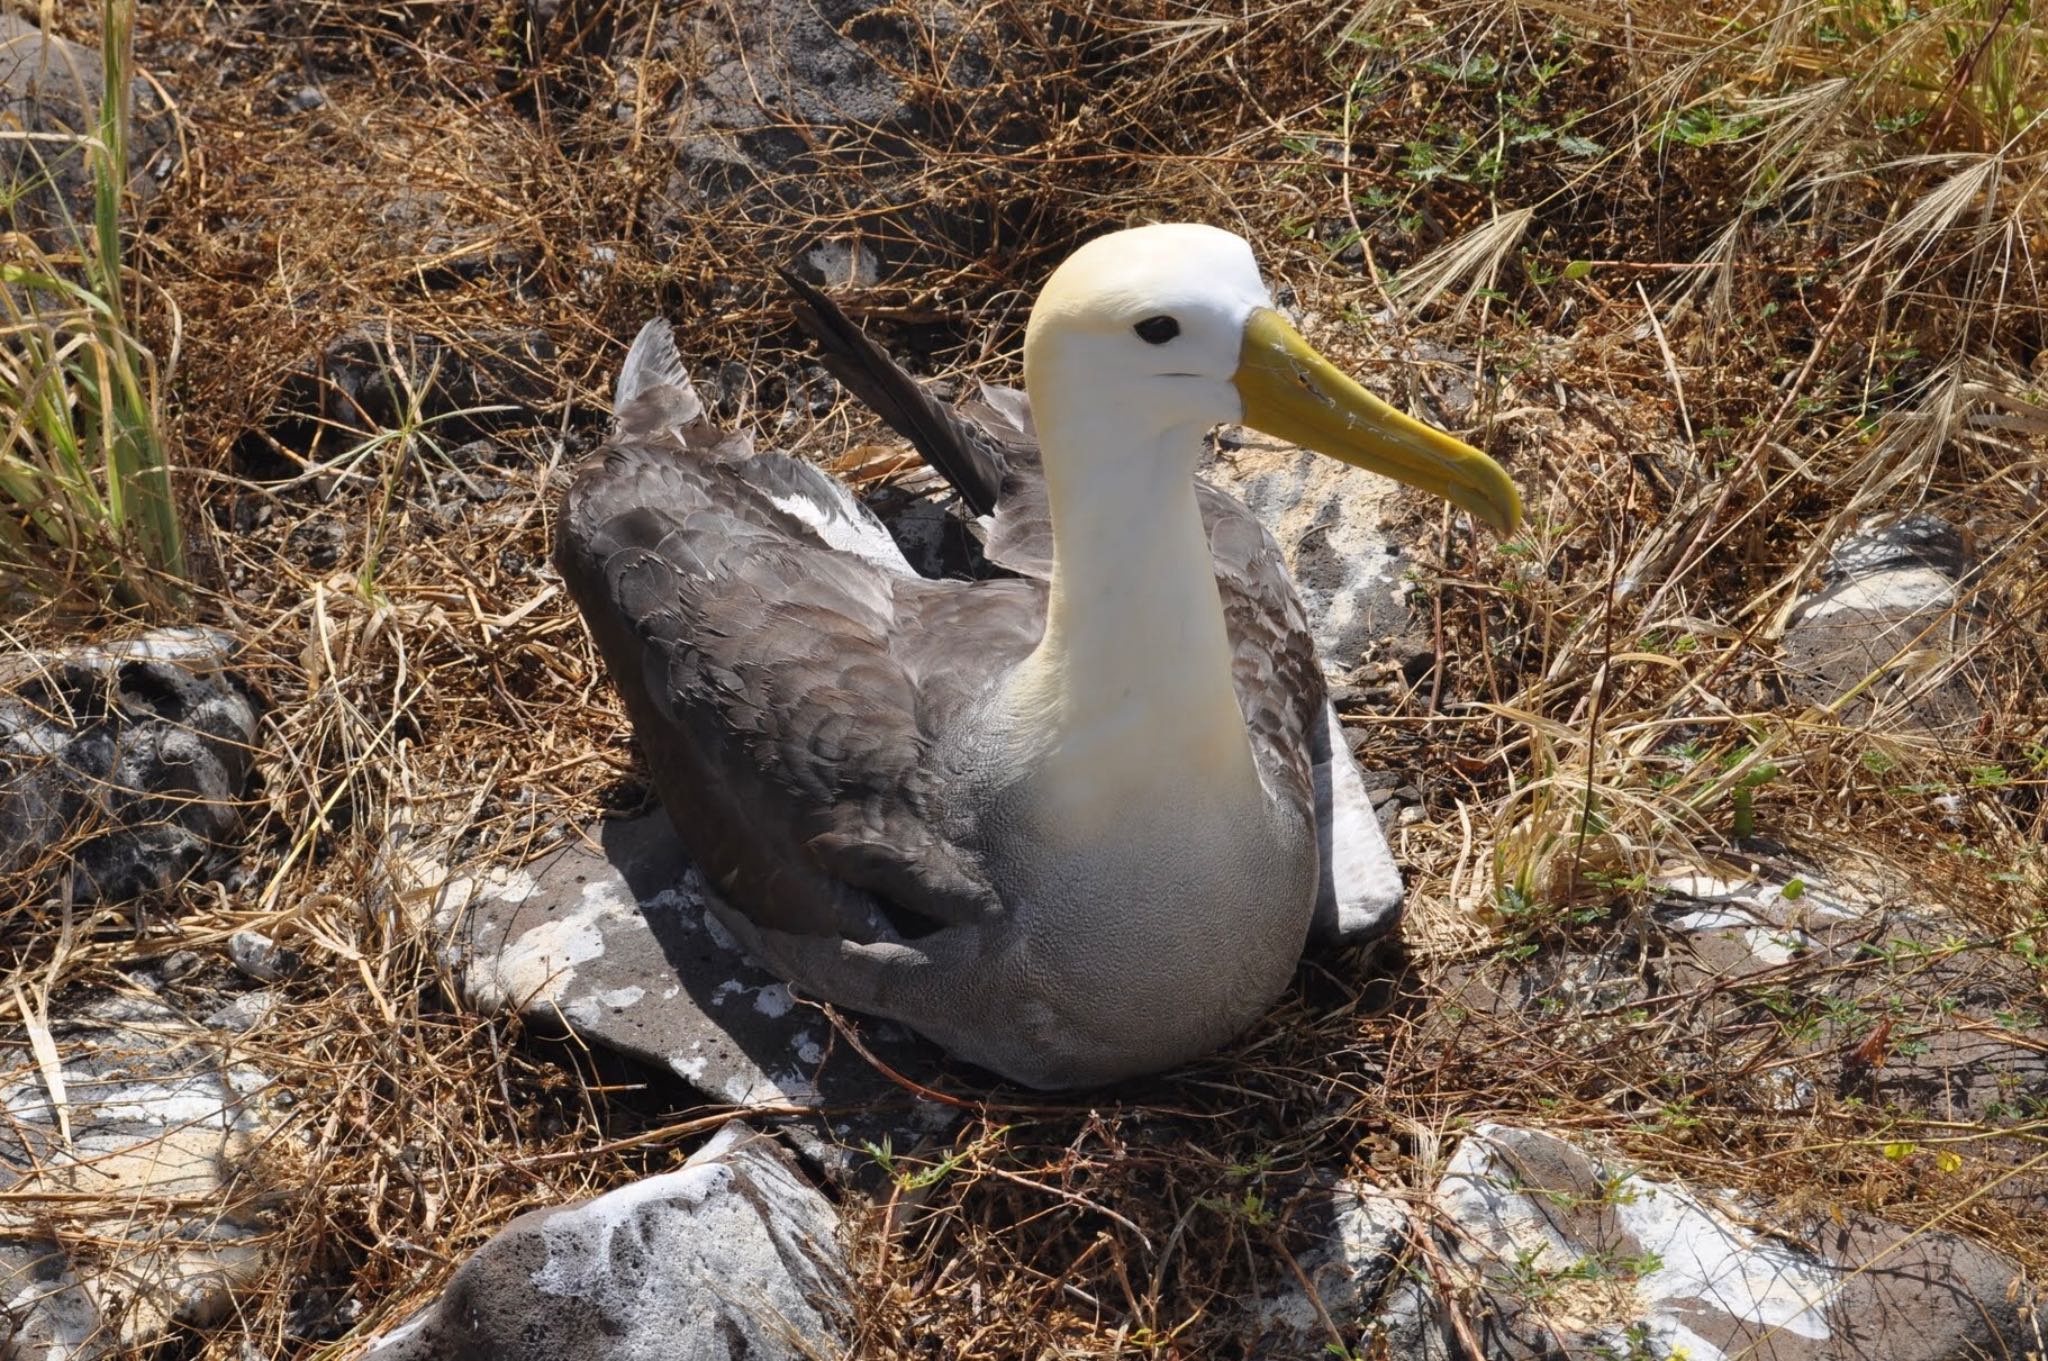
(654, 394)
(953, 446)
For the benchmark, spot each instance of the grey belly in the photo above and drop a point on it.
(1147, 947)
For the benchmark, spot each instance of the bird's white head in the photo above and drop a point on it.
(1154, 315)
(1143, 336)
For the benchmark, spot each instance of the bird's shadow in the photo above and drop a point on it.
(680, 995)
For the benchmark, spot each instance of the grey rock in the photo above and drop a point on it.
(181, 964)
(246, 1013)
(1913, 541)
(1347, 1237)
(810, 112)
(1447, 392)
(122, 768)
(1331, 524)
(1889, 606)
(433, 229)
(839, 262)
(262, 958)
(372, 378)
(45, 1314)
(156, 1116)
(1393, 803)
(733, 1257)
(934, 538)
(922, 529)
(318, 543)
(1962, 1012)
(51, 88)
(477, 454)
(616, 942)
(1570, 1253)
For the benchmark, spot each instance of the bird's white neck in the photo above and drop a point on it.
(1130, 688)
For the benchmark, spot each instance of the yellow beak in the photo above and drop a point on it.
(1291, 392)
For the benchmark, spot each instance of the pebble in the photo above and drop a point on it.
(245, 1013)
(262, 958)
(180, 964)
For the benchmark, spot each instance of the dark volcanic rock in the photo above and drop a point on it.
(124, 766)
(51, 89)
(813, 129)
(733, 1258)
(374, 379)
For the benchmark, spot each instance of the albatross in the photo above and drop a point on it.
(1075, 822)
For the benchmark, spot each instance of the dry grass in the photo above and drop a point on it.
(1728, 286)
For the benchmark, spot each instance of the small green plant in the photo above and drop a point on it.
(85, 488)
(1707, 126)
(1794, 1014)
(1742, 825)
(1680, 759)
(1472, 68)
(1257, 1165)
(1844, 1014)
(914, 1178)
(1639, 1343)
(1534, 1282)
(1676, 1116)
(1528, 919)
(1250, 1209)
(1616, 1188)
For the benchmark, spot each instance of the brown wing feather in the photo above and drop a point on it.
(787, 721)
(1280, 686)
(1020, 531)
(959, 450)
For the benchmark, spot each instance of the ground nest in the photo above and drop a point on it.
(1721, 296)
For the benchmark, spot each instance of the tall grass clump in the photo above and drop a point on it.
(1971, 72)
(86, 503)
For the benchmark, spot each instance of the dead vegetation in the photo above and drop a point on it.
(1725, 286)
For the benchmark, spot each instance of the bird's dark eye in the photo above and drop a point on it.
(1157, 330)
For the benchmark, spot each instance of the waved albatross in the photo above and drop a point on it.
(1074, 823)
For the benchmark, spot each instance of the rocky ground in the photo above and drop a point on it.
(359, 1003)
